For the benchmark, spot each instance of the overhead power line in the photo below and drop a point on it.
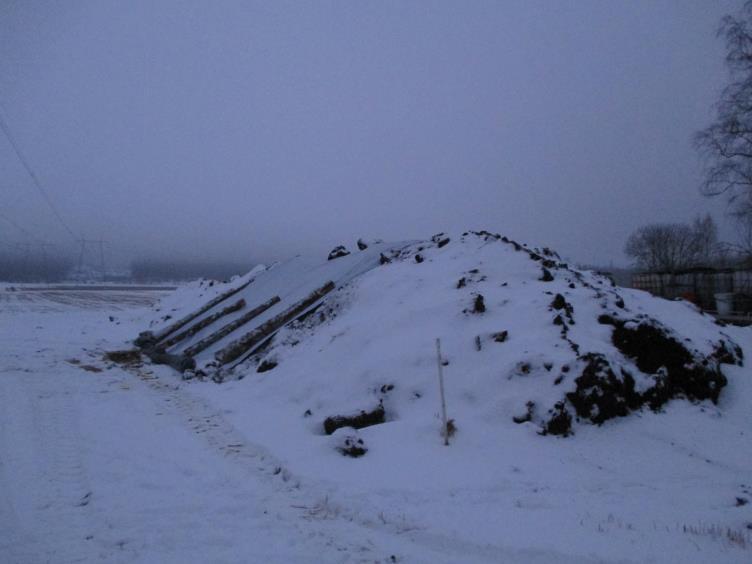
(12, 222)
(34, 178)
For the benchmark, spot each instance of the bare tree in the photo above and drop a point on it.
(671, 247)
(742, 251)
(705, 234)
(726, 144)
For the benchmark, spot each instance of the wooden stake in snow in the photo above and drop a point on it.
(444, 427)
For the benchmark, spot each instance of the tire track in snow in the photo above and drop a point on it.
(40, 410)
(69, 490)
(303, 504)
(284, 495)
(15, 542)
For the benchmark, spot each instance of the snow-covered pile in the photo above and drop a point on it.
(526, 339)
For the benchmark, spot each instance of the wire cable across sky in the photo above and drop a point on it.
(34, 178)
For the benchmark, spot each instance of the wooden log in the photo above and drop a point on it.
(193, 329)
(196, 348)
(263, 331)
(358, 421)
(179, 362)
(164, 333)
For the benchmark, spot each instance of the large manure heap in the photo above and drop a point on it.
(349, 338)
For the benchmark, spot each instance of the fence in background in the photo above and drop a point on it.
(700, 286)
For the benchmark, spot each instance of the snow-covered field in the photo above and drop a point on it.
(100, 462)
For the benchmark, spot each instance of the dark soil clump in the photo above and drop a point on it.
(479, 304)
(605, 319)
(500, 337)
(353, 447)
(528, 416)
(603, 392)
(337, 252)
(650, 347)
(359, 421)
(601, 395)
(560, 422)
(559, 303)
(677, 370)
(266, 365)
(386, 388)
(441, 240)
(132, 356)
(728, 355)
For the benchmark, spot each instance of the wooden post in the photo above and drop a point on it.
(248, 341)
(445, 429)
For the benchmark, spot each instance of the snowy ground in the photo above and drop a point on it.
(99, 463)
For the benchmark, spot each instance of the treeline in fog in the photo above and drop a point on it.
(17, 267)
(159, 270)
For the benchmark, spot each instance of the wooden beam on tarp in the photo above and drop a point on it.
(208, 320)
(196, 348)
(245, 343)
(149, 339)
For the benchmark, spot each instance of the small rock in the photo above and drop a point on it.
(337, 252)
(500, 337)
(350, 444)
(528, 416)
(479, 304)
(560, 422)
(266, 365)
(440, 239)
(559, 302)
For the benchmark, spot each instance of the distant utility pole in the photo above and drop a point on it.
(80, 268)
(101, 260)
(25, 249)
(94, 243)
(45, 259)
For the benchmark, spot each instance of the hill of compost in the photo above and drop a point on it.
(526, 339)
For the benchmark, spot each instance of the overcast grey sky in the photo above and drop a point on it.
(257, 129)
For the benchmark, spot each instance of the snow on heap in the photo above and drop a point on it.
(525, 338)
